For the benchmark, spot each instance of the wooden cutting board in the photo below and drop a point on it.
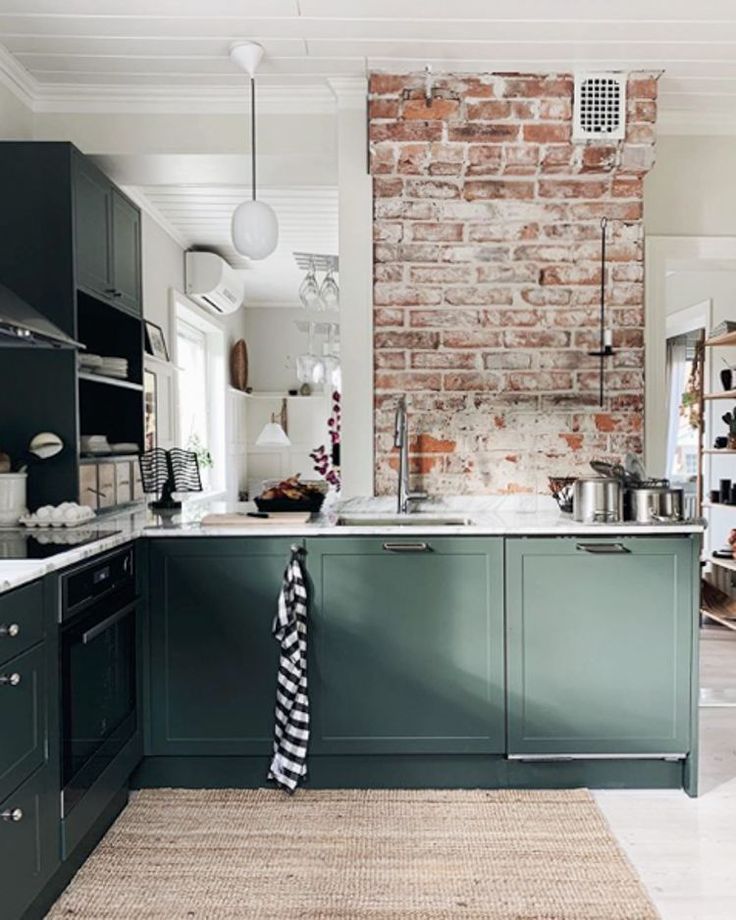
(242, 520)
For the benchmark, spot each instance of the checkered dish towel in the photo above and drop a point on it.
(291, 727)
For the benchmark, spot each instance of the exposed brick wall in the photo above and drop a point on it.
(487, 273)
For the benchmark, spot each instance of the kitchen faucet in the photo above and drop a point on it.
(401, 440)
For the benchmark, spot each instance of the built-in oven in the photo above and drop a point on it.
(98, 669)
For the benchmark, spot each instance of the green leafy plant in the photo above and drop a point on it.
(204, 457)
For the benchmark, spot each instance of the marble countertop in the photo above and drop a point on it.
(488, 516)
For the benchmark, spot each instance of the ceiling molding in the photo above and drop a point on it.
(17, 79)
(349, 92)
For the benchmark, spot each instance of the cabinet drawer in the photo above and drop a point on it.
(21, 619)
(22, 717)
(123, 482)
(106, 484)
(28, 835)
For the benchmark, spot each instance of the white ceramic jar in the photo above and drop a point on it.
(12, 498)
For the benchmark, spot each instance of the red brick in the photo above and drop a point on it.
(427, 444)
(444, 360)
(493, 232)
(445, 232)
(640, 134)
(484, 159)
(407, 339)
(555, 109)
(405, 295)
(389, 360)
(613, 210)
(432, 188)
(385, 83)
(408, 380)
(470, 380)
(441, 274)
(481, 189)
(383, 108)
(383, 159)
(406, 131)
(481, 338)
(641, 88)
(571, 274)
(536, 338)
(561, 158)
(388, 316)
(519, 273)
(489, 110)
(536, 381)
(534, 87)
(412, 159)
(478, 294)
(627, 187)
(521, 160)
(599, 158)
(547, 133)
(387, 271)
(442, 109)
(541, 297)
(387, 188)
(483, 132)
(445, 319)
(573, 188)
(642, 110)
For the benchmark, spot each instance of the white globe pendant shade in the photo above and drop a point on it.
(255, 229)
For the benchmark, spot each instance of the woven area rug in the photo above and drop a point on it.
(357, 855)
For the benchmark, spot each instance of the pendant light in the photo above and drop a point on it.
(255, 227)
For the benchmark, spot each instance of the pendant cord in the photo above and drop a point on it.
(604, 222)
(253, 135)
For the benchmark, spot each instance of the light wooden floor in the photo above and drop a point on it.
(685, 849)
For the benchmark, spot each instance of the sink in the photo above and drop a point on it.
(415, 519)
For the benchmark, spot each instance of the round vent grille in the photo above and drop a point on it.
(599, 106)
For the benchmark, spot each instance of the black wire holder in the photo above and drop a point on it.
(167, 471)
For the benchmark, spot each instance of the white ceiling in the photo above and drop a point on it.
(71, 49)
(201, 216)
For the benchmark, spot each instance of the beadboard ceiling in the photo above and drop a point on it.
(200, 215)
(68, 52)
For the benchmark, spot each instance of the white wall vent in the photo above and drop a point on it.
(599, 107)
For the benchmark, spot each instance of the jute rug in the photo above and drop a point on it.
(357, 855)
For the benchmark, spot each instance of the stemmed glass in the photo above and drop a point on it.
(310, 368)
(309, 291)
(329, 292)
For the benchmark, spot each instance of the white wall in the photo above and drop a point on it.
(16, 119)
(691, 190)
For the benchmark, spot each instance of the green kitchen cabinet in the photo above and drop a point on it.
(406, 645)
(600, 639)
(213, 659)
(93, 206)
(126, 253)
(107, 229)
(22, 717)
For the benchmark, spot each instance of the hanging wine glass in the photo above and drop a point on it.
(329, 292)
(309, 291)
(310, 368)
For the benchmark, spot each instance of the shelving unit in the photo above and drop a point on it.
(110, 381)
(729, 339)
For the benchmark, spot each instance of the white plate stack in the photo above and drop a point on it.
(113, 367)
(89, 363)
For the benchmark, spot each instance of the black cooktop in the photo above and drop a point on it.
(50, 541)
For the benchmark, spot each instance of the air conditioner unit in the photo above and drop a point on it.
(212, 283)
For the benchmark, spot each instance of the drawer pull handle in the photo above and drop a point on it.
(407, 547)
(12, 814)
(603, 549)
(10, 680)
(9, 631)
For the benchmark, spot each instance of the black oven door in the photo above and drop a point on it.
(99, 692)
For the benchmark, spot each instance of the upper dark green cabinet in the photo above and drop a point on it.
(213, 660)
(600, 637)
(107, 239)
(406, 642)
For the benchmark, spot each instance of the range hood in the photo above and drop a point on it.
(22, 324)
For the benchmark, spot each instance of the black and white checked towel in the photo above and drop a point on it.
(291, 727)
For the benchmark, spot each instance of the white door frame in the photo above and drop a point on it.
(659, 253)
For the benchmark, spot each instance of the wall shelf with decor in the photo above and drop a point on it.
(110, 381)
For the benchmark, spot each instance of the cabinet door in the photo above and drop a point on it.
(22, 717)
(213, 658)
(29, 842)
(406, 642)
(126, 253)
(600, 638)
(92, 228)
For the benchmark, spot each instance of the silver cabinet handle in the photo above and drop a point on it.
(603, 549)
(407, 547)
(9, 631)
(12, 814)
(10, 680)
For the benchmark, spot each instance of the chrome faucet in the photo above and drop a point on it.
(401, 440)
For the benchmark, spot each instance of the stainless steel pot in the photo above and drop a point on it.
(597, 500)
(656, 503)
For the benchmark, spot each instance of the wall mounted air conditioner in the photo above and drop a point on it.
(212, 283)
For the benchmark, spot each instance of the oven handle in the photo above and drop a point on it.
(99, 628)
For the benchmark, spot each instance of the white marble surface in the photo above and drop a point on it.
(489, 516)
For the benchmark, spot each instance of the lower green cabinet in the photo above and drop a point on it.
(29, 842)
(406, 645)
(599, 645)
(23, 703)
(213, 659)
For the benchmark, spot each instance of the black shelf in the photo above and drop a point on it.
(110, 381)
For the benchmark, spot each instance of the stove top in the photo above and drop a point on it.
(40, 544)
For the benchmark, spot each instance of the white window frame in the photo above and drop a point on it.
(184, 310)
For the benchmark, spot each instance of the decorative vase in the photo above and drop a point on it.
(239, 365)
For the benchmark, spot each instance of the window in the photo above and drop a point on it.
(200, 348)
